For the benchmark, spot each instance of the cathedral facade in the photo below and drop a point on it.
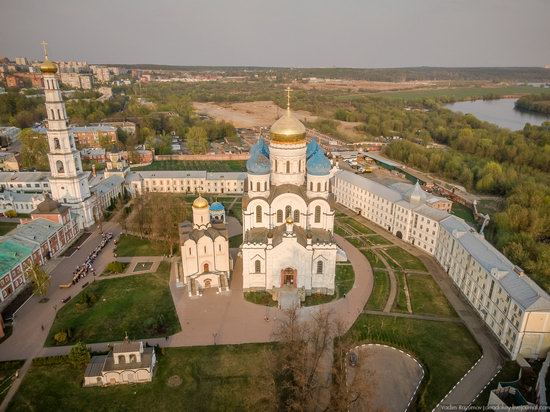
(287, 220)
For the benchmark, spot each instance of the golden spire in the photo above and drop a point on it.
(288, 90)
(45, 47)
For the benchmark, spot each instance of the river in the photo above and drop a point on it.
(500, 112)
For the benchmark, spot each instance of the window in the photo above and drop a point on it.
(319, 266)
(56, 144)
(317, 214)
(258, 186)
(288, 211)
(279, 216)
(311, 186)
(326, 188)
(257, 266)
(258, 214)
(318, 186)
(60, 167)
(287, 166)
(296, 216)
(265, 186)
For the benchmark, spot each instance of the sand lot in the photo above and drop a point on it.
(249, 114)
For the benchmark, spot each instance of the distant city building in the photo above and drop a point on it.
(102, 74)
(72, 66)
(25, 182)
(77, 80)
(20, 202)
(19, 80)
(128, 127)
(9, 135)
(8, 162)
(22, 61)
(93, 154)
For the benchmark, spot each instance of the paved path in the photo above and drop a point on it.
(412, 316)
(393, 281)
(465, 392)
(396, 374)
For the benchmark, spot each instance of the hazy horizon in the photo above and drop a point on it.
(284, 34)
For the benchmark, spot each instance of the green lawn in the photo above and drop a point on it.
(459, 93)
(7, 371)
(400, 304)
(236, 241)
(404, 259)
(260, 298)
(207, 165)
(129, 245)
(140, 305)
(373, 259)
(427, 298)
(465, 213)
(354, 224)
(345, 277)
(377, 240)
(5, 227)
(380, 291)
(446, 349)
(213, 378)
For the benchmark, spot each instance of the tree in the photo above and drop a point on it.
(79, 355)
(34, 150)
(306, 376)
(197, 140)
(40, 279)
(105, 141)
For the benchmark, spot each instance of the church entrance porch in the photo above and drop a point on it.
(289, 277)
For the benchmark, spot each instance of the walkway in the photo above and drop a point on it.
(468, 388)
(412, 316)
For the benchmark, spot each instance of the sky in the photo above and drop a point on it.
(282, 33)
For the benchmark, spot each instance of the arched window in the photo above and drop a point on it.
(258, 214)
(258, 186)
(58, 114)
(319, 266)
(300, 166)
(287, 166)
(326, 186)
(60, 168)
(206, 268)
(288, 211)
(52, 113)
(279, 216)
(133, 358)
(121, 359)
(275, 164)
(265, 186)
(296, 216)
(56, 144)
(311, 186)
(317, 214)
(257, 266)
(318, 186)
(250, 185)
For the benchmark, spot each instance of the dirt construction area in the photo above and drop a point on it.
(249, 114)
(397, 376)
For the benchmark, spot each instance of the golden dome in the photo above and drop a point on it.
(288, 129)
(200, 202)
(48, 66)
(289, 220)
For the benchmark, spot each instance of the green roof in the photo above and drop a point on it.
(11, 254)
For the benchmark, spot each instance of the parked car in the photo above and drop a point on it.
(65, 300)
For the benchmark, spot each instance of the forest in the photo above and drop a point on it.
(538, 103)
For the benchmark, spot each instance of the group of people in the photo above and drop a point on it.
(83, 270)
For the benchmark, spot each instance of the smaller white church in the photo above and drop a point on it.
(205, 260)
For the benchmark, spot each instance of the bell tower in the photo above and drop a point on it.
(68, 182)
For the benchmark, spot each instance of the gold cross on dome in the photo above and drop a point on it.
(288, 90)
(45, 46)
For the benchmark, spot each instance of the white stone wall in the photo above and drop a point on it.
(318, 186)
(258, 185)
(293, 155)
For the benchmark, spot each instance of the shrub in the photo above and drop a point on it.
(115, 267)
(10, 213)
(60, 337)
(51, 360)
(79, 355)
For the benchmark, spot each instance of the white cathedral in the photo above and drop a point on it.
(287, 220)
